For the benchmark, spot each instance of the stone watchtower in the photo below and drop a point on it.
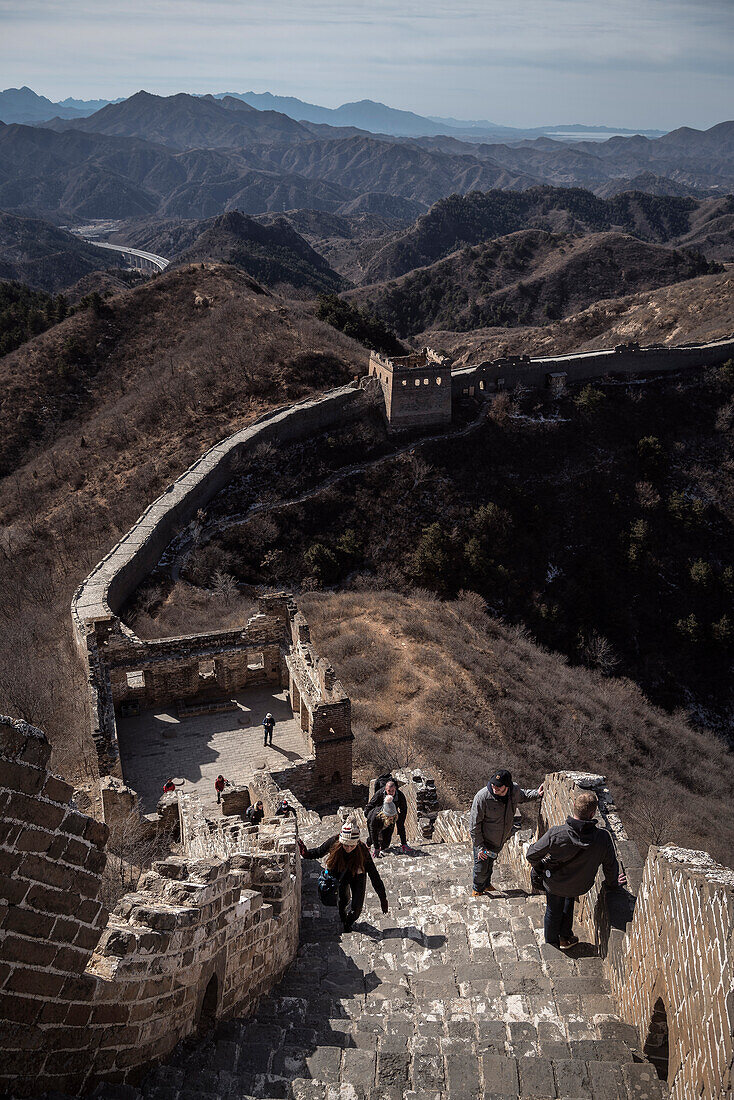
(417, 388)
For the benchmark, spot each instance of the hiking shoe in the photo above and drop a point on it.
(477, 893)
(489, 886)
(407, 850)
(565, 944)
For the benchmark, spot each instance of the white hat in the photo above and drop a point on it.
(350, 832)
(389, 808)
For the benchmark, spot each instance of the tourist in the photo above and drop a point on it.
(219, 784)
(169, 786)
(268, 727)
(284, 808)
(349, 861)
(254, 813)
(567, 858)
(381, 826)
(492, 820)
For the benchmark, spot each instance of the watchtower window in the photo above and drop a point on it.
(135, 680)
(656, 1046)
(426, 381)
(255, 661)
(417, 381)
(405, 381)
(438, 381)
(481, 385)
(206, 670)
(209, 1005)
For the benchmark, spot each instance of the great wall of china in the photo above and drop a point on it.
(88, 995)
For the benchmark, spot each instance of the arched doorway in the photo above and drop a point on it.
(209, 1005)
(656, 1044)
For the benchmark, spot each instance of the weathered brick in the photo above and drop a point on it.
(49, 900)
(44, 814)
(71, 959)
(38, 982)
(27, 922)
(32, 840)
(20, 1009)
(31, 952)
(20, 777)
(12, 891)
(57, 790)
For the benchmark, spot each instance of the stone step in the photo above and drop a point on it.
(446, 997)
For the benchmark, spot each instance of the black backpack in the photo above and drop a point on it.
(328, 887)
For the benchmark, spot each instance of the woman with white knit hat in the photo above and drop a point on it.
(349, 861)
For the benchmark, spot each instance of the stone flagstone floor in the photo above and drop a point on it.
(445, 996)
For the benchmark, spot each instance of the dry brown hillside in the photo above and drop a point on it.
(442, 685)
(100, 413)
(697, 309)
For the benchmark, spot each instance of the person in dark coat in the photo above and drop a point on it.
(268, 727)
(492, 819)
(284, 808)
(381, 825)
(567, 858)
(350, 861)
(254, 814)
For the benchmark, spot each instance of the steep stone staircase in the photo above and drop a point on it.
(445, 996)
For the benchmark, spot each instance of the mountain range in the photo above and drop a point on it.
(24, 105)
(197, 157)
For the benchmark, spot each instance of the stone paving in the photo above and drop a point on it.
(445, 996)
(157, 744)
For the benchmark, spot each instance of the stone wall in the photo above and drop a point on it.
(508, 372)
(679, 951)
(667, 940)
(86, 994)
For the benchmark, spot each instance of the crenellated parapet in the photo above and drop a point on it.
(102, 995)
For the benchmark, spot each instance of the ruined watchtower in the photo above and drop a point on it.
(417, 388)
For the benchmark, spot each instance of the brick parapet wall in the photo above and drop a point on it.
(680, 949)
(585, 366)
(86, 994)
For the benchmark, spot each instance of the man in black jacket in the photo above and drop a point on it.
(568, 857)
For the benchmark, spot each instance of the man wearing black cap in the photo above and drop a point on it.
(492, 818)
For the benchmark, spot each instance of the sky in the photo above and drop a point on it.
(630, 63)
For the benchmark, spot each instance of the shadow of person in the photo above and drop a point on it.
(289, 754)
(409, 932)
(582, 950)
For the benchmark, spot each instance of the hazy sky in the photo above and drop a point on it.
(637, 63)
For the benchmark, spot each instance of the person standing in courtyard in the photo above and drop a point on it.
(492, 820)
(349, 862)
(381, 824)
(567, 858)
(268, 727)
(219, 784)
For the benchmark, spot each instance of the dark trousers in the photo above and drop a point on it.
(380, 834)
(268, 736)
(351, 897)
(558, 923)
(482, 872)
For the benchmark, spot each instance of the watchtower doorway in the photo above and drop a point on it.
(656, 1044)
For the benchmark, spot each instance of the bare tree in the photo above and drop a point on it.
(597, 652)
(225, 587)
